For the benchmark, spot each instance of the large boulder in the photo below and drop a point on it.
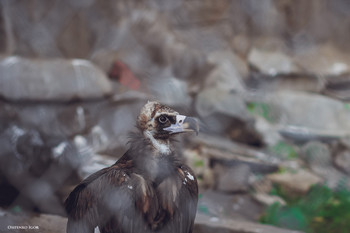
(305, 116)
(51, 80)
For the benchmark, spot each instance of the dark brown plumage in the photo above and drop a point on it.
(147, 190)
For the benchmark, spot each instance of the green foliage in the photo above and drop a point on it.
(16, 209)
(291, 217)
(277, 190)
(285, 150)
(199, 163)
(347, 106)
(260, 109)
(320, 211)
(203, 209)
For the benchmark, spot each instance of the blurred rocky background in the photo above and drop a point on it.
(269, 81)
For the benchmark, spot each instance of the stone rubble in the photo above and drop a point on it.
(270, 91)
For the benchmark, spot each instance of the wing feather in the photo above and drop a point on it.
(118, 200)
(94, 201)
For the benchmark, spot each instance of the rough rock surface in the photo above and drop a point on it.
(271, 62)
(342, 160)
(51, 80)
(207, 224)
(233, 179)
(57, 224)
(229, 205)
(299, 182)
(39, 223)
(276, 69)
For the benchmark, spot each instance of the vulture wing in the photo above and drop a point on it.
(119, 199)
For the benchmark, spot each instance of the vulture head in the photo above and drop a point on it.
(159, 123)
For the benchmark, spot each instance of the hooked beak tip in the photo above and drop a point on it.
(192, 124)
(187, 124)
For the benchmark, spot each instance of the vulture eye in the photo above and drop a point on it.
(162, 119)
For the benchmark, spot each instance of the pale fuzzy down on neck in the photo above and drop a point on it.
(163, 148)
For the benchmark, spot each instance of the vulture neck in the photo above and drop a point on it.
(152, 158)
(161, 146)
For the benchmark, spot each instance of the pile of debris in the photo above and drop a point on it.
(273, 111)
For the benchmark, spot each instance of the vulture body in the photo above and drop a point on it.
(147, 190)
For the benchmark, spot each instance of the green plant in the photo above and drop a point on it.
(347, 106)
(260, 109)
(320, 211)
(278, 190)
(199, 163)
(285, 150)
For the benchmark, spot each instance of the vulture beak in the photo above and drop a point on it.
(183, 124)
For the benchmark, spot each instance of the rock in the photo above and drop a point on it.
(295, 116)
(223, 205)
(216, 107)
(270, 43)
(55, 154)
(262, 83)
(292, 164)
(37, 166)
(203, 223)
(32, 222)
(297, 183)
(318, 157)
(232, 179)
(270, 133)
(100, 123)
(245, 133)
(222, 99)
(207, 38)
(338, 87)
(221, 21)
(130, 96)
(151, 48)
(220, 148)
(260, 184)
(346, 142)
(332, 177)
(241, 44)
(170, 91)
(208, 224)
(51, 80)
(124, 75)
(228, 73)
(76, 39)
(232, 160)
(114, 122)
(52, 119)
(200, 13)
(94, 164)
(46, 21)
(201, 167)
(268, 200)
(324, 59)
(301, 134)
(272, 62)
(317, 154)
(154, 53)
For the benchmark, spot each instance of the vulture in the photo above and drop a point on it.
(149, 189)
